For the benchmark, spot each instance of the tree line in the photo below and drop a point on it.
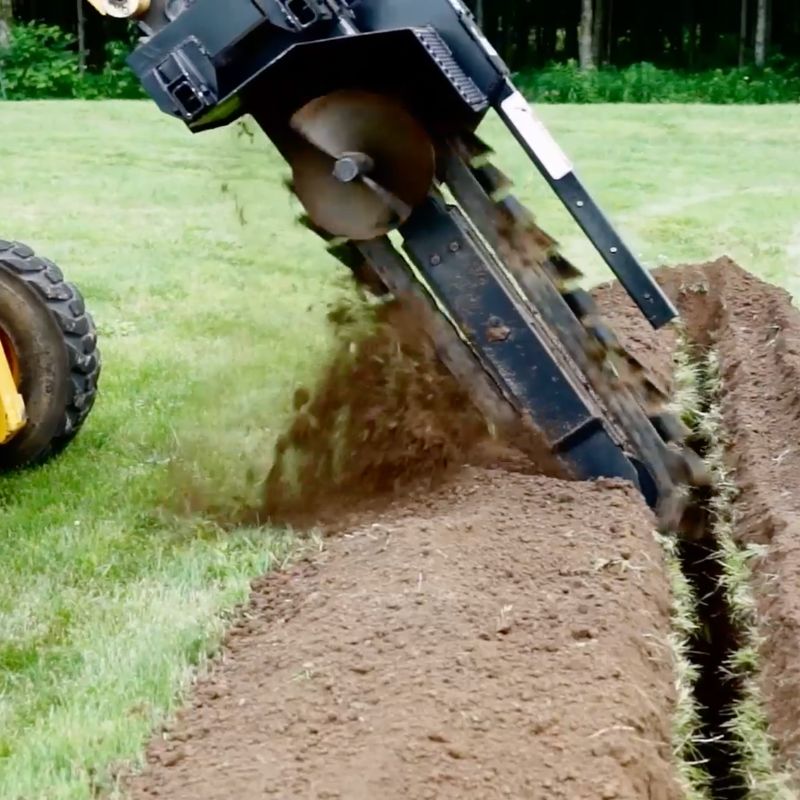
(682, 34)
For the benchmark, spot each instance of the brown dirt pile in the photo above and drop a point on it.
(492, 639)
(385, 417)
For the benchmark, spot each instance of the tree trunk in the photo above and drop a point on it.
(479, 13)
(610, 32)
(762, 33)
(691, 54)
(81, 37)
(743, 33)
(585, 45)
(6, 20)
(598, 32)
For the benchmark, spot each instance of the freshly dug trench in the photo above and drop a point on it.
(504, 636)
(755, 331)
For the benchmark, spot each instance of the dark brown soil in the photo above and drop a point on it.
(756, 331)
(504, 636)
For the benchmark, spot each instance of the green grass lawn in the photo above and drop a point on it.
(207, 326)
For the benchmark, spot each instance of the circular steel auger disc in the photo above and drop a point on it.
(363, 165)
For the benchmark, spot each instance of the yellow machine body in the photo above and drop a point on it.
(12, 406)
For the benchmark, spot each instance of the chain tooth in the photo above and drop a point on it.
(331, 240)
(687, 468)
(560, 269)
(636, 376)
(494, 182)
(474, 150)
(306, 222)
(522, 217)
(652, 393)
(697, 470)
(669, 427)
(346, 253)
(565, 269)
(580, 302)
(603, 334)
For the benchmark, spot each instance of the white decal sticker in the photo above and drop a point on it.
(536, 135)
(487, 45)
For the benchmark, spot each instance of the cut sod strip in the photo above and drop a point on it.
(686, 725)
(687, 729)
(727, 727)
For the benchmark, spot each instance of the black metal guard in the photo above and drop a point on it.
(556, 169)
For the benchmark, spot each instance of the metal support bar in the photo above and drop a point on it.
(557, 170)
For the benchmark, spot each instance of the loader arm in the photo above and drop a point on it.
(375, 106)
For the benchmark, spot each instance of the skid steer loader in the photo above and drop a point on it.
(374, 104)
(49, 362)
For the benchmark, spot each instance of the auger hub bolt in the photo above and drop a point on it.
(351, 166)
(454, 247)
(436, 260)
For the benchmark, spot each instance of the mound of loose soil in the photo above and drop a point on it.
(504, 636)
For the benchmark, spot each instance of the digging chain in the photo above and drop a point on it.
(637, 407)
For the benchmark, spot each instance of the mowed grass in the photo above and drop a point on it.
(208, 325)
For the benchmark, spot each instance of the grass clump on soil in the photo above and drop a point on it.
(686, 623)
(686, 719)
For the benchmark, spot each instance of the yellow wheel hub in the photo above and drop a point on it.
(12, 406)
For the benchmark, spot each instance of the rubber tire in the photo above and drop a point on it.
(55, 341)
